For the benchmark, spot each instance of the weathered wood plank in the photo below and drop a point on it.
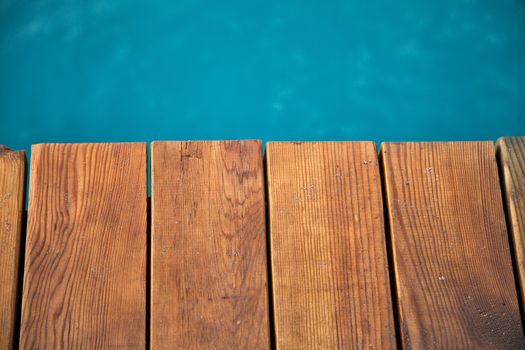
(85, 268)
(209, 274)
(12, 181)
(453, 269)
(328, 254)
(511, 155)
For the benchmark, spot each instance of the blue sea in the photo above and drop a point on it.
(105, 71)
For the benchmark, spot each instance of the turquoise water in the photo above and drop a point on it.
(90, 71)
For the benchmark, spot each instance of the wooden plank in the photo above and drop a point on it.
(511, 155)
(453, 269)
(209, 275)
(12, 182)
(328, 254)
(85, 268)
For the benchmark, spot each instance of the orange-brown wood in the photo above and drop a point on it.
(511, 154)
(208, 267)
(328, 252)
(85, 267)
(12, 181)
(453, 269)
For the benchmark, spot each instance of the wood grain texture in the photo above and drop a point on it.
(85, 268)
(209, 274)
(12, 182)
(328, 254)
(511, 155)
(453, 269)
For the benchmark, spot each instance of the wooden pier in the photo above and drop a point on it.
(309, 245)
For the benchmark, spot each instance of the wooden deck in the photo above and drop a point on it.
(311, 245)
